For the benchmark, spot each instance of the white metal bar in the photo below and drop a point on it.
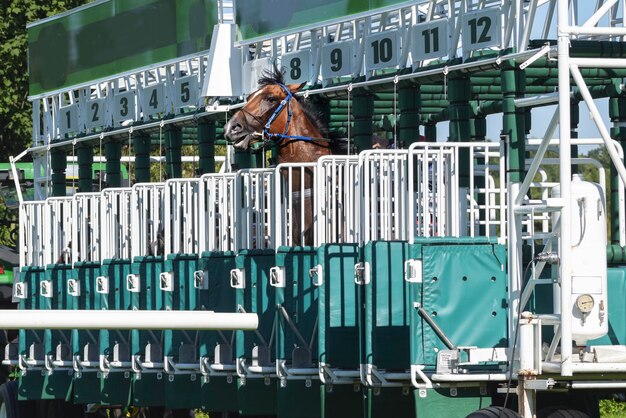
(123, 320)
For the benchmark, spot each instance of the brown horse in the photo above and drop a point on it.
(273, 114)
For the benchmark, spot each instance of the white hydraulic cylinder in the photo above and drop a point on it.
(109, 319)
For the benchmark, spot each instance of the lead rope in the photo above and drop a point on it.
(349, 119)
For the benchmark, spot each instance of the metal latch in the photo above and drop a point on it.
(237, 279)
(20, 290)
(45, 288)
(277, 277)
(316, 275)
(201, 279)
(413, 271)
(133, 283)
(102, 284)
(166, 282)
(73, 287)
(362, 273)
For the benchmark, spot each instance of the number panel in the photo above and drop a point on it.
(337, 59)
(430, 40)
(153, 100)
(95, 113)
(186, 91)
(297, 66)
(381, 50)
(68, 119)
(124, 106)
(481, 29)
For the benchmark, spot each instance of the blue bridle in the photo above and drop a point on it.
(278, 138)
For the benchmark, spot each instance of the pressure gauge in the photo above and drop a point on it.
(585, 303)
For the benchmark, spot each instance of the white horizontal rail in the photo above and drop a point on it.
(110, 319)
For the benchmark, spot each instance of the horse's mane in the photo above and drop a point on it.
(276, 75)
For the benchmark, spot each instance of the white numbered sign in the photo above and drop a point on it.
(337, 59)
(381, 50)
(186, 91)
(430, 40)
(95, 113)
(481, 29)
(153, 100)
(68, 119)
(297, 66)
(124, 106)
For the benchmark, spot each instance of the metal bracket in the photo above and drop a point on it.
(543, 51)
(237, 279)
(277, 277)
(362, 273)
(166, 282)
(413, 271)
(73, 287)
(133, 284)
(102, 285)
(20, 290)
(316, 275)
(539, 384)
(45, 288)
(201, 279)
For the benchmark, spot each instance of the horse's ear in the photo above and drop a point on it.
(295, 87)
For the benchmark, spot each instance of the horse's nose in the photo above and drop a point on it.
(233, 127)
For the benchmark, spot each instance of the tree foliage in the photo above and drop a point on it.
(15, 110)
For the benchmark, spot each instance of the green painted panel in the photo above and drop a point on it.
(115, 36)
(34, 385)
(296, 400)
(87, 388)
(338, 326)
(299, 299)
(440, 403)
(219, 395)
(183, 392)
(182, 267)
(260, 18)
(464, 291)
(219, 297)
(389, 402)
(58, 275)
(387, 305)
(256, 397)
(31, 276)
(115, 389)
(148, 389)
(616, 288)
(340, 401)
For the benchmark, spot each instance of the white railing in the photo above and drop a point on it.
(255, 209)
(182, 220)
(294, 186)
(116, 223)
(86, 234)
(217, 214)
(31, 233)
(147, 217)
(337, 211)
(441, 205)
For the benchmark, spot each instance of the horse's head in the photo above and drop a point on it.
(266, 111)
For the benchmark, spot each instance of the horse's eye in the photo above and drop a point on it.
(271, 99)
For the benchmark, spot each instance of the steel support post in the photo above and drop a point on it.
(617, 113)
(206, 146)
(459, 95)
(173, 152)
(85, 173)
(565, 172)
(141, 146)
(362, 110)
(113, 155)
(409, 120)
(58, 164)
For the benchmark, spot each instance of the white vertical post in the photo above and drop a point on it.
(565, 178)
